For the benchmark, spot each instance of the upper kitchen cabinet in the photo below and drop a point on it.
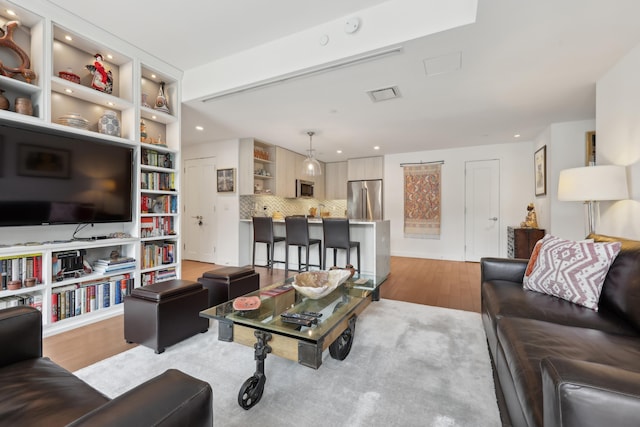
(257, 167)
(23, 90)
(286, 172)
(365, 168)
(89, 79)
(336, 180)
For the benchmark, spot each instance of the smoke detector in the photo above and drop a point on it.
(384, 94)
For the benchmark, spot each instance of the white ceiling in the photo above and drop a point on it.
(525, 65)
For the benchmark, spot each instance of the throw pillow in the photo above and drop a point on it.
(573, 271)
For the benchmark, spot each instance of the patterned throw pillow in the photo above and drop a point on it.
(574, 271)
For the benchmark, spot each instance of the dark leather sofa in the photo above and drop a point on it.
(34, 391)
(560, 364)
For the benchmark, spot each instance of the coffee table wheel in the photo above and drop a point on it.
(340, 348)
(251, 392)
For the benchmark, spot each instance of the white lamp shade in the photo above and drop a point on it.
(592, 183)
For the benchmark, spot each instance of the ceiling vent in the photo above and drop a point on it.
(384, 94)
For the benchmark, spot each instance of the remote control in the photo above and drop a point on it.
(311, 313)
(296, 321)
(287, 315)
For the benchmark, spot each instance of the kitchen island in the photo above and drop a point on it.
(375, 250)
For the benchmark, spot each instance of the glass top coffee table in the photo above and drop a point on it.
(328, 322)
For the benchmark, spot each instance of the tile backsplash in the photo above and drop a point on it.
(255, 205)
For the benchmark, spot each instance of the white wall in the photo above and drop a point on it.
(516, 191)
(618, 141)
(227, 205)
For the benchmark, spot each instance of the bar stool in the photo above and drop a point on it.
(263, 233)
(337, 236)
(298, 235)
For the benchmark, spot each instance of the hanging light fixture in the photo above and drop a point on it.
(311, 166)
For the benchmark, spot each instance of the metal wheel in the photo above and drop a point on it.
(251, 392)
(340, 348)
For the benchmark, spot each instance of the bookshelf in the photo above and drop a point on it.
(61, 45)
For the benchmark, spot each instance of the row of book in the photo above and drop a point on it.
(156, 226)
(165, 203)
(111, 265)
(34, 300)
(158, 253)
(154, 158)
(152, 277)
(20, 268)
(162, 181)
(76, 300)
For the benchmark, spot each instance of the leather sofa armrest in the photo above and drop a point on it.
(20, 334)
(510, 269)
(583, 394)
(173, 398)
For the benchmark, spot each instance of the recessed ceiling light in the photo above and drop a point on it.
(376, 147)
(517, 135)
(110, 104)
(339, 151)
(153, 117)
(109, 56)
(199, 128)
(68, 37)
(11, 12)
(153, 76)
(68, 90)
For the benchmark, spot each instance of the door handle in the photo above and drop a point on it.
(495, 218)
(197, 217)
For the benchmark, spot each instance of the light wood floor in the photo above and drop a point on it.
(449, 284)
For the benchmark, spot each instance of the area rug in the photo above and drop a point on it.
(410, 365)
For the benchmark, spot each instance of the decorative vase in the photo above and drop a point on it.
(24, 106)
(161, 100)
(109, 123)
(144, 101)
(4, 102)
(143, 131)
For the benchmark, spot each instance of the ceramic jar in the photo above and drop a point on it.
(4, 102)
(14, 285)
(109, 123)
(24, 106)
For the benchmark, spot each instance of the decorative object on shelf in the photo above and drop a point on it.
(4, 102)
(74, 120)
(102, 78)
(24, 69)
(143, 131)
(143, 101)
(30, 282)
(69, 75)
(109, 123)
(311, 166)
(531, 220)
(14, 285)
(24, 106)
(319, 284)
(161, 101)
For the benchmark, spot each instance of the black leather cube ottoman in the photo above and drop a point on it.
(227, 283)
(165, 313)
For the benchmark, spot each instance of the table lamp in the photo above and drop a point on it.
(591, 184)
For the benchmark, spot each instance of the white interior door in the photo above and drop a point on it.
(199, 221)
(482, 209)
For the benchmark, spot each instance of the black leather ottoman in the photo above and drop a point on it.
(165, 313)
(227, 283)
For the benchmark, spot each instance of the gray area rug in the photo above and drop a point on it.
(410, 365)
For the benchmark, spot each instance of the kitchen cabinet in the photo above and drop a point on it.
(336, 180)
(365, 168)
(257, 167)
(285, 173)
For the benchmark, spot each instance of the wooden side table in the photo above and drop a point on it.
(521, 241)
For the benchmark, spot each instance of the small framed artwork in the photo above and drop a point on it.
(540, 170)
(43, 162)
(590, 150)
(226, 180)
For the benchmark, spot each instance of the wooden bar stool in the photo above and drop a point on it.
(263, 233)
(337, 236)
(297, 229)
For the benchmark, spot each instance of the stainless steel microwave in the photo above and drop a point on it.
(304, 188)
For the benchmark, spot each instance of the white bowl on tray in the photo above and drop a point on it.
(319, 284)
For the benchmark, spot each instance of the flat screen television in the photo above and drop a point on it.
(56, 177)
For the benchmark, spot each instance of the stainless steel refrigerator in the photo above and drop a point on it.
(364, 199)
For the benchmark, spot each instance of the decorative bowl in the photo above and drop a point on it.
(67, 75)
(319, 284)
(74, 120)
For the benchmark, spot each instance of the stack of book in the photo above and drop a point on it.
(111, 265)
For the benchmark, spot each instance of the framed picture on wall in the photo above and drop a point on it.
(590, 150)
(226, 180)
(540, 170)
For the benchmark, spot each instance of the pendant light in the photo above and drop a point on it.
(311, 166)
